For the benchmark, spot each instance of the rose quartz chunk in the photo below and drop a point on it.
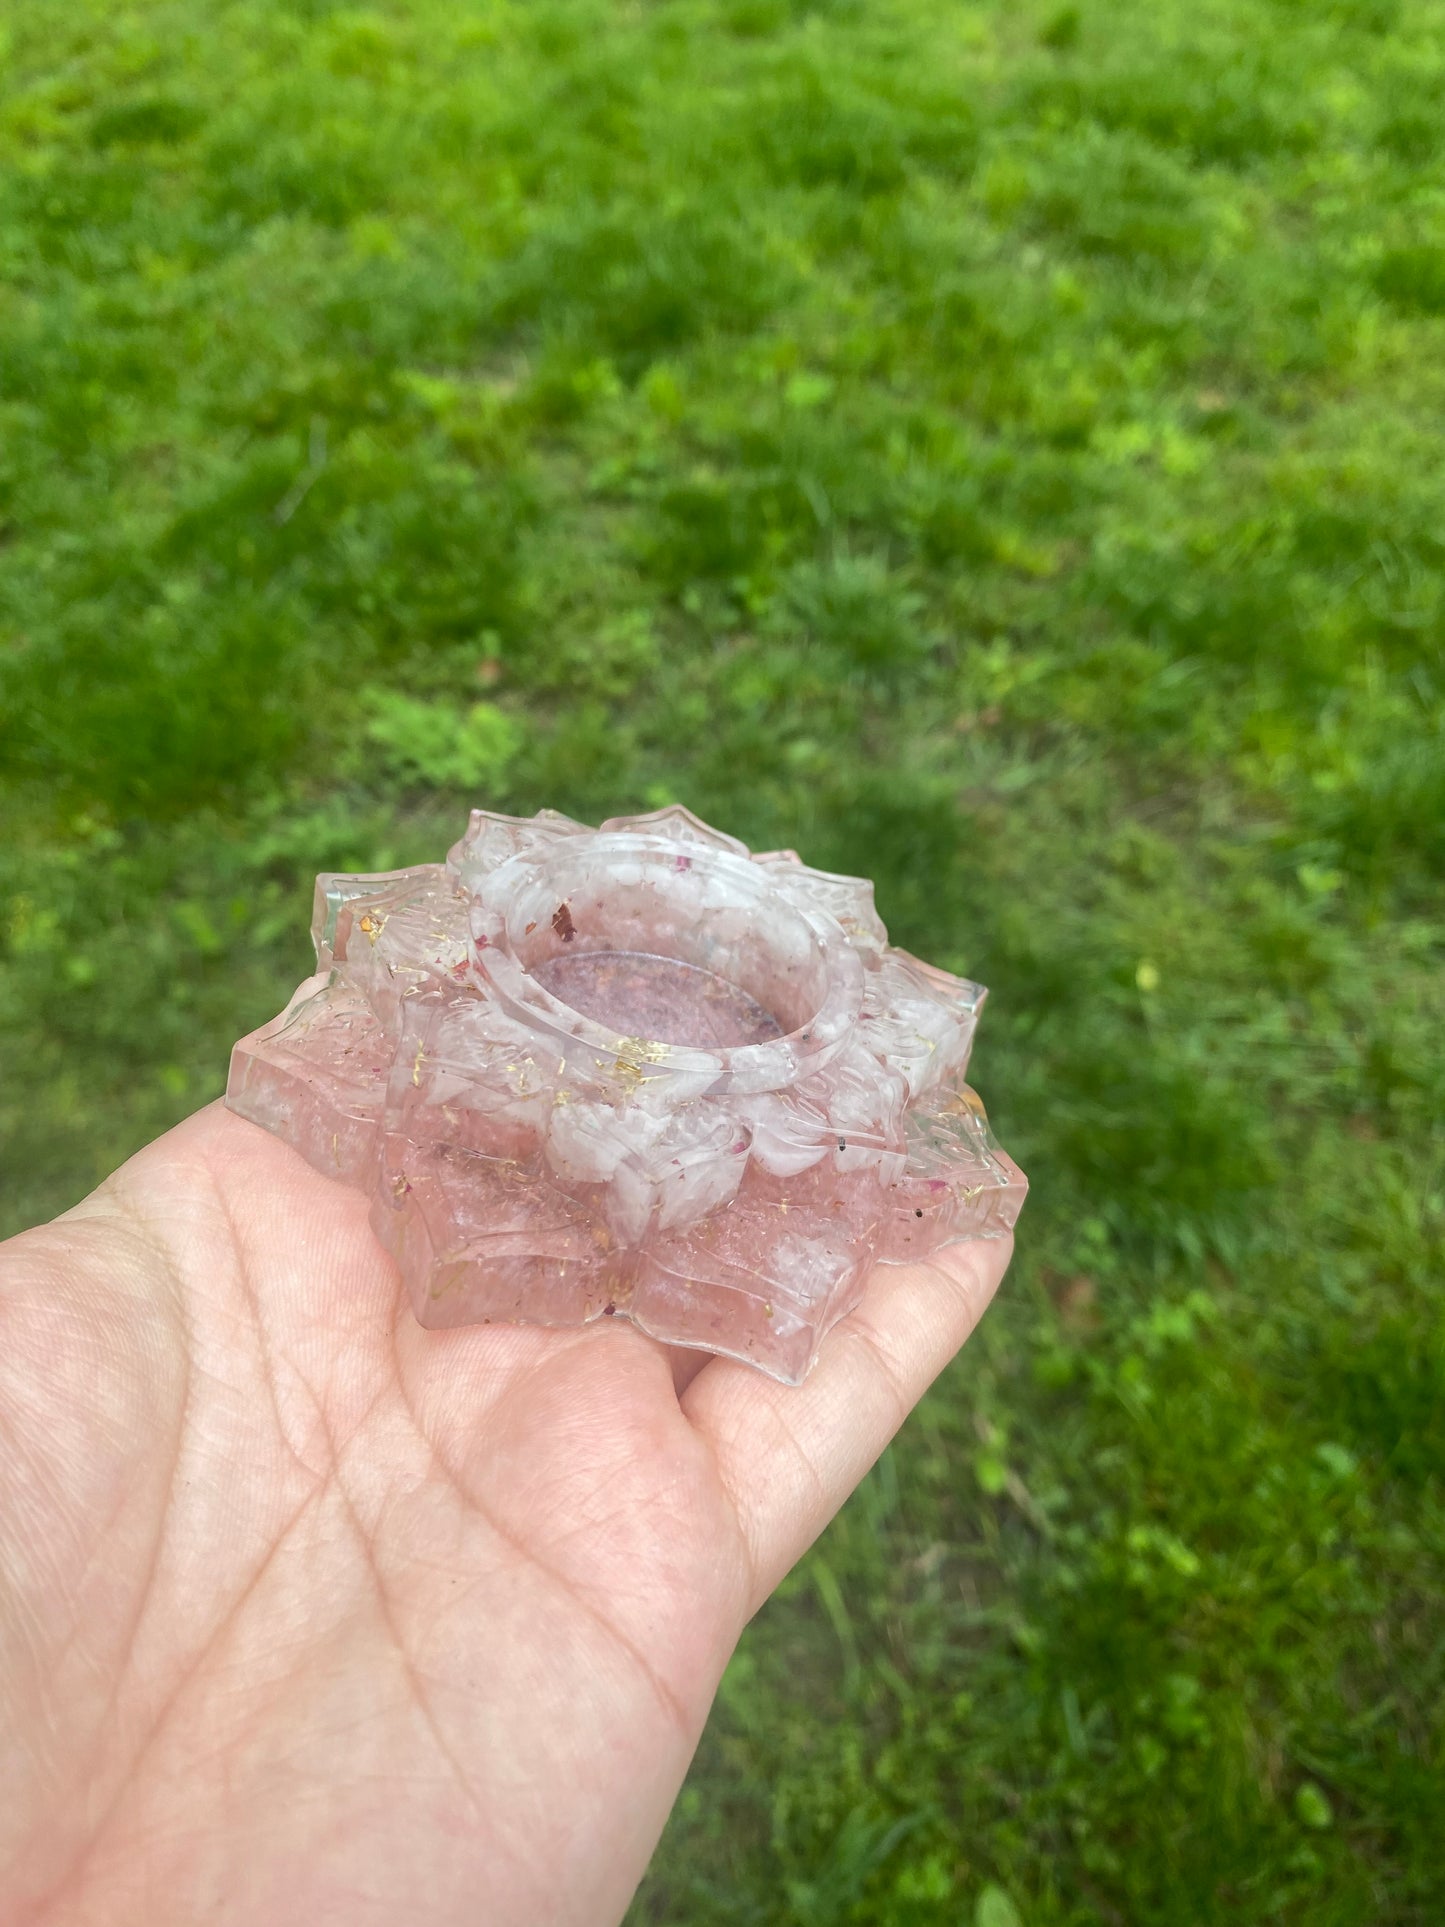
(632, 1072)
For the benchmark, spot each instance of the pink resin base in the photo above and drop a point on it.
(632, 1071)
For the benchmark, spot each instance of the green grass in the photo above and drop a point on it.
(994, 448)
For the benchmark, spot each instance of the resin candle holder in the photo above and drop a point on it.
(632, 1071)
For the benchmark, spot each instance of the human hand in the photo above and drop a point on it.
(309, 1615)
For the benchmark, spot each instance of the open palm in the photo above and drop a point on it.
(309, 1615)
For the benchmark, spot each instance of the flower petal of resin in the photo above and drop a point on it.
(632, 1072)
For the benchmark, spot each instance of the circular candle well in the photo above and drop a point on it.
(694, 951)
(638, 994)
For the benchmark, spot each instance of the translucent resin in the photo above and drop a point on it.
(632, 1072)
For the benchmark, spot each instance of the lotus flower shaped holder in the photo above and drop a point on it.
(632, 1071)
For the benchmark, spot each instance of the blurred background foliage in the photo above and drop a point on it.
(996, 448)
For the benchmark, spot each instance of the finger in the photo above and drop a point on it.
(790, 1455)
(686, 1364)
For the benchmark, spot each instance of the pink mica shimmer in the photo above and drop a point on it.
(657, 998)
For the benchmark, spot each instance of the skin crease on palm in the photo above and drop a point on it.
(308, 1615)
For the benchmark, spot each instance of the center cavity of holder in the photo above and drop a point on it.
(663, 999)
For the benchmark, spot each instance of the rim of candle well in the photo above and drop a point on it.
(611, 894)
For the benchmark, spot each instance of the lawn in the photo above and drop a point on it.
(994, 448)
